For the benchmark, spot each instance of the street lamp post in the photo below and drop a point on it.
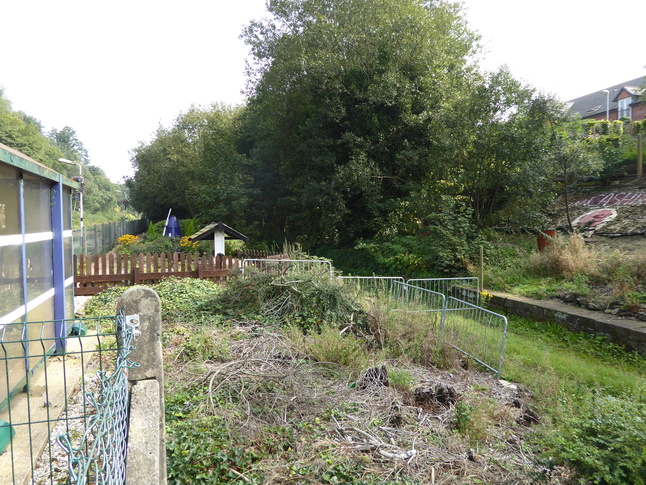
(69, 162)
(607, 103)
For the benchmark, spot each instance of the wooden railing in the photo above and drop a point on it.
(93, 274)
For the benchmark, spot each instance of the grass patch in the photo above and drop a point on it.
(584, 386)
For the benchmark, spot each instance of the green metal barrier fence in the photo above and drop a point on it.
(476, 332)
(287, 267)
(464, 288)
(373, 286)
(66, 421)
(469, 328)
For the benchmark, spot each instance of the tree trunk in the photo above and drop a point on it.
(640, 153)
(567, 201)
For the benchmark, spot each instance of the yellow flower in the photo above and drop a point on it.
(485, 296)
(127, 239)
(185, 242)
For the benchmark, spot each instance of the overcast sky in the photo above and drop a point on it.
(114, 71)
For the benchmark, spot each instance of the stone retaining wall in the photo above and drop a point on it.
(630, 334)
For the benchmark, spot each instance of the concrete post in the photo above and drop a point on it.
(146, 461)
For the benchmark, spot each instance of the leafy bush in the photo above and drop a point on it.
(188, 227)
(154, 242)
(397, 256)
(451, 237)
(444, 245)
(401, 379)
(181, 299)
(104, 304)
(200, 451)
(356, 261)
(305, 300)
(162, 245)
(605, 441)
(613, 151)
(462, 417)
(154, 231)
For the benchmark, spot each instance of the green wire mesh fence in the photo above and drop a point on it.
(64, 401)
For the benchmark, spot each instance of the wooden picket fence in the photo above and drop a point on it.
(93, 274)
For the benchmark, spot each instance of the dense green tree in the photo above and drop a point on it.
(193, 168)
(493, 148)
(24, 133)
(346, 98)
(72, 148)
(5, 104)
(364, 114)
(159, 182)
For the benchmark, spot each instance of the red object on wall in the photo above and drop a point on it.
(545, 238)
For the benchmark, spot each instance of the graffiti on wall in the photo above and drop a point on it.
(595, 219)
(613, 199)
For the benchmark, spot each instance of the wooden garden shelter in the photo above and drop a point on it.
(217, 233)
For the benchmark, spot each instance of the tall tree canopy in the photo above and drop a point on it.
(100, 194)
(363, 112)
(25, 134)
(365, 118)
(193, 168)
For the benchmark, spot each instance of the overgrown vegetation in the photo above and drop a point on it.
(308, 301)
(374, 396)
(604, 439)
(181, 300)
(569, 270)
(369, 150)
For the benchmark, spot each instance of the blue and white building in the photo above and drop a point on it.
(36, 268)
